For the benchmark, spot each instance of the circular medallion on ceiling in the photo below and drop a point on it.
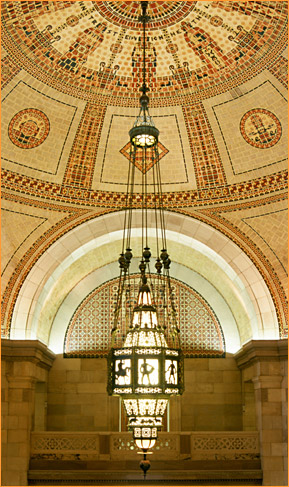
(260, 128)
(28, 128)
(126, 14)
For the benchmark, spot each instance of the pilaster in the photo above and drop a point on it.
(24, 363)
(264, 363)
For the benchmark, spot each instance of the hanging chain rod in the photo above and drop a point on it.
(144, 18)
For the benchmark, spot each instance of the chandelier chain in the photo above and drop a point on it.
(145, 371)
(144, 18)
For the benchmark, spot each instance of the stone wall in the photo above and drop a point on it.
(42, 392)
(212, 400)
(78, 401)
(77, 397)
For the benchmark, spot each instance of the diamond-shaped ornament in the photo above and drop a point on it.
(125, 151)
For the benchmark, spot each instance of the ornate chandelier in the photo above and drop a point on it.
(148, 368)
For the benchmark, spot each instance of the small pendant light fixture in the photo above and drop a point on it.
(147, 368)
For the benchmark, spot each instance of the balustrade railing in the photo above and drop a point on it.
(215, 445)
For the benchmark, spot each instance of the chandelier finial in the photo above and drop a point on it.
(144, 464)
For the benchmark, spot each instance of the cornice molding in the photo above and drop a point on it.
(261, 350)
(27, 351)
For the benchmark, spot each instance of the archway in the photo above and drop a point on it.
(193, 245)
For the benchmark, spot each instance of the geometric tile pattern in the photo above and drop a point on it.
(207, 161)
(251, 188)
(80, 167)
(111, 168)
(88, 332)
(138, 161)
(250, 126)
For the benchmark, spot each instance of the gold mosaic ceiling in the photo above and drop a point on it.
(193, 46)
(71, 72)
(206, 63)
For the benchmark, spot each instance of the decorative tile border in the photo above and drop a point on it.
(80, 167)
(207, 161)
(85, 197)
(279, 69)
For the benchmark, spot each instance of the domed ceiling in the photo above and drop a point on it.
(71, 73)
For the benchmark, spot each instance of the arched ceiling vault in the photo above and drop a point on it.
(192, 244)
(71, 74)
(37, 273)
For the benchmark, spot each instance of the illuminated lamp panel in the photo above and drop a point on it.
(172, 352)
(131, 406)
(127, 390)
(148, 372)
(148, 390)
(150, 339)
(171, 371)
(152, 421)
(123, 351)
(145, 339)
(145, 432)
(145, 319)
(88, 333)
(144, 437)
(147, 406)
(122, 372)
(130, 340)
(144, 407)
(148, 351)
(161, 406)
